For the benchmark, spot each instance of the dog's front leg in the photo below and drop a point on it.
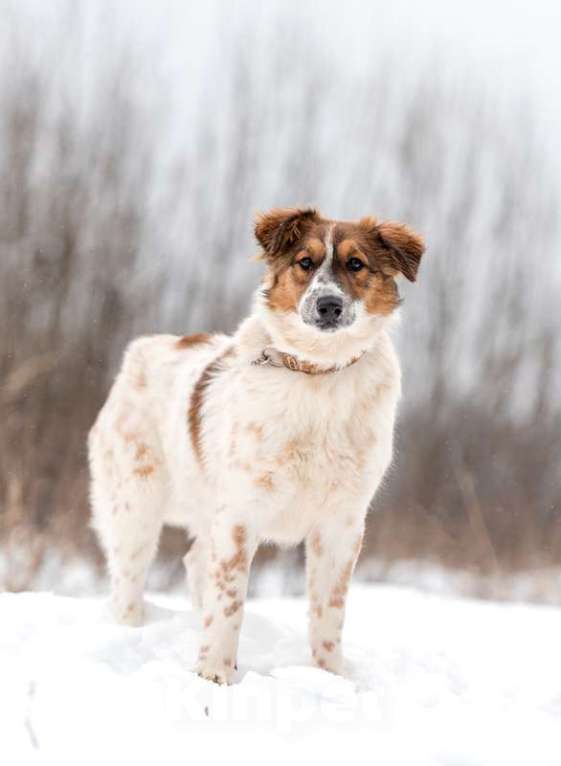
(232, 546)
(332, 549)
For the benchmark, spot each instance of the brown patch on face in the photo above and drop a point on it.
(329, 646)
(188, 341)
(385, 249)
(286, 281)
(197, 400)
(288, 288)
(315, 248)
(369, 284)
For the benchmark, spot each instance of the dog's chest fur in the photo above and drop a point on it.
(289, 445)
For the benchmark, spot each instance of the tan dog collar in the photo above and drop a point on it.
(270, 357)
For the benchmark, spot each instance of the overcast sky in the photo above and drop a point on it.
(513, 41)
(510, 45)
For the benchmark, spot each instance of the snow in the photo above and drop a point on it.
(429, 680)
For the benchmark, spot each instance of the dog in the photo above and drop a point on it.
(281, 432)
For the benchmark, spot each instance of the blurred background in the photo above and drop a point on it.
(137, 141)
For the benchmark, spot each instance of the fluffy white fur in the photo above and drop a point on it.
(286, 457)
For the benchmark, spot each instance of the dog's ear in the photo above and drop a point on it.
(404, 247)
(280, 228)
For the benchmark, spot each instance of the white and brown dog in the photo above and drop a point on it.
(282, 432)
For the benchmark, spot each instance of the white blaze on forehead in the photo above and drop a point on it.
(328, 243)
(324, 274)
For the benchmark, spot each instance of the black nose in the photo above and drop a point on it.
(329, 308)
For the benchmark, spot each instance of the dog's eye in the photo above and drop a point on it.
(306, 264)
(355, 264)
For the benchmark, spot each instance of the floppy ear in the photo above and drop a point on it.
(280, 228)
(402, 246)
(405, 247)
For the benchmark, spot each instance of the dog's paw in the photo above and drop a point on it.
(217, 672)
(328, 657)
(131, 614)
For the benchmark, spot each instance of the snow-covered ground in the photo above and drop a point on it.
(429, 680)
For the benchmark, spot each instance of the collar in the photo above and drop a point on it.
(271, 357)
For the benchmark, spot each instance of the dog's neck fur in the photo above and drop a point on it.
(287, 334)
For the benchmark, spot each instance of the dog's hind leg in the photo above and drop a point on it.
(128, 496)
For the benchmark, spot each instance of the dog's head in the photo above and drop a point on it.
(334, 275)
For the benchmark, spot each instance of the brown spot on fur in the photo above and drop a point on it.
(197, 400)
(208, 621)
(203, 651)
(315, 543)
(188, 341)
(321, 662)
(239, 535)
(329, 646)
(256, 429)
(336, 602)
(339, 592)
(144, 471)
(237, 562)
(265, 481)
(121, 428)
(232, 609)
(227, 663)
(141, 451)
